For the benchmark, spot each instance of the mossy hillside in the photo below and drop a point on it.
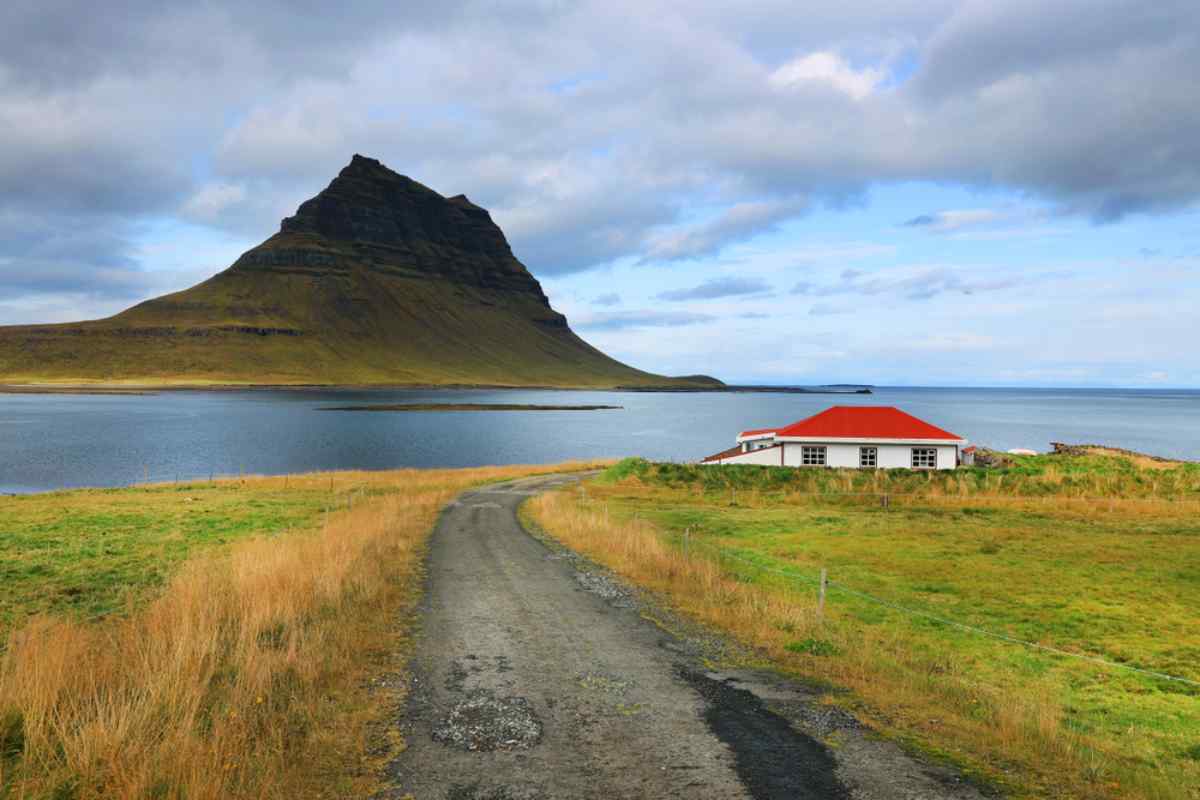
(377, 280)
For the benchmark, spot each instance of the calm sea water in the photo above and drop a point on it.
(56, 441)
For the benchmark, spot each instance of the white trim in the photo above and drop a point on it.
(755, 437)
(867, 440)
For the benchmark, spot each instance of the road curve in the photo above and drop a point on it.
(534, 680)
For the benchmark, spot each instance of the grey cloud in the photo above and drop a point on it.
(618, 320)
(921, 221)
(137, 36)
(141, 110)
(609, 299)
(81, 259)
(716, 288)
(739, 222)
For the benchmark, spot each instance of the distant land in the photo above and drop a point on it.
(378, 280)
(466, 407)
(835, 389)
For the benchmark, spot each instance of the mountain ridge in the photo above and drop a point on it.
(376, 280)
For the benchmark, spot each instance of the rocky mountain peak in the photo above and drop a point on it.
(393, 223)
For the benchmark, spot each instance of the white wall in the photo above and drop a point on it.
(768, 456)
(890, 456)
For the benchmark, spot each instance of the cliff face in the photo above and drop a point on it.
(376, 280)
(400, 227)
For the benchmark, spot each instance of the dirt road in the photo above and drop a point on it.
(537, 676)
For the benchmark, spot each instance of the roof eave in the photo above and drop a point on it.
(871, 440)
(754, 437)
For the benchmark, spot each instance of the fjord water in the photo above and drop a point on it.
(59, 441)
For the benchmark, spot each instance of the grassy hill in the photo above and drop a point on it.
(376, 280)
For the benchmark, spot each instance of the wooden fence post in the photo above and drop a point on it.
(821, 595)
(687, 534)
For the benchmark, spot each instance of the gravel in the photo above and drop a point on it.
(484, 722)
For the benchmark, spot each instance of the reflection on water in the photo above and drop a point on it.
(55, 441)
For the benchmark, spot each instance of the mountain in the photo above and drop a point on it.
(376, 280)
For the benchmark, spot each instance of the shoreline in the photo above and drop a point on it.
(152, 389)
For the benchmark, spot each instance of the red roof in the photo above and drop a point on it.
(864, 422)
(756, 432)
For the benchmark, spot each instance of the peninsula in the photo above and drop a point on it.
(378, 280)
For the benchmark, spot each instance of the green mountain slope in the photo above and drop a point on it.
(376, 280)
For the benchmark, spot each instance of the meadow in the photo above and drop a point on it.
(236, 638)
(948, 595)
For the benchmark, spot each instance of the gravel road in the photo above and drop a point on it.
(537, 676)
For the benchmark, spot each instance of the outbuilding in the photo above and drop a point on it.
(867, 437)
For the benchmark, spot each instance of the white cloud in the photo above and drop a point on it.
(829, 69)
(211, 200)
(949, 221)
(738, 222)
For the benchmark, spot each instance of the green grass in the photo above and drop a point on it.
(1118, 579)
(1050, 476)
(90, 552)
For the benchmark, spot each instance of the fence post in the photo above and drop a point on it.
(821, 595)
(687, 534)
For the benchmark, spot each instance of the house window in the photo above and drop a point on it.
(868, 457)
(924, 458)
(812, 456)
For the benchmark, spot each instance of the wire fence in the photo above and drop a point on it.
(722, 553)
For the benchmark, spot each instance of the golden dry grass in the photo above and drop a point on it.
(246, 677)
(1018, 736)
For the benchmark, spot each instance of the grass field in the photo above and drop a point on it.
(243, 633)
(94, 551)
(1096, 555)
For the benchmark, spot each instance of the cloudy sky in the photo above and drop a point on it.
(904, 192)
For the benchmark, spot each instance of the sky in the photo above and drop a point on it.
(998, 193)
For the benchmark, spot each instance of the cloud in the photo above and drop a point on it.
(162, 109)
(829, 69)
(608, 299)
(948, 221)
(716, 288)
(826, 310)
(912, 284)
(212, 200)
(619, 320)
(741, 221)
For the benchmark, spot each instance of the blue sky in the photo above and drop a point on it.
(928, 193)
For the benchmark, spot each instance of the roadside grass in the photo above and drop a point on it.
(252, 629)
(1016, 552)
(87, 552)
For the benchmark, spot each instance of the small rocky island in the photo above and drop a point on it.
(467, 407)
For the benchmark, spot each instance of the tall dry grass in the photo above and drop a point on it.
(245, 677)
(918, 693)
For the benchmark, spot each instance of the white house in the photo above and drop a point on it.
(870, 437)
